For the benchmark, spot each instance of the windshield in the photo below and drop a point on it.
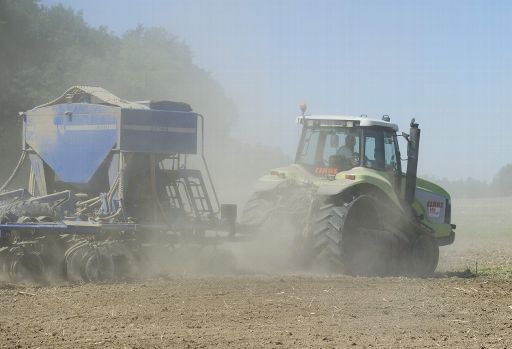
(330, 147)
(338, 149)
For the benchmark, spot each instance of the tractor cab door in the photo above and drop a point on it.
(380, 149)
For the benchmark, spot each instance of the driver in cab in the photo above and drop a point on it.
(347, 151)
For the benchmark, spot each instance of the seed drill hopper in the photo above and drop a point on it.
(108, 187)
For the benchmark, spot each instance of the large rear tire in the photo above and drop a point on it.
(424, 255)
(348, 238)
(327, 235)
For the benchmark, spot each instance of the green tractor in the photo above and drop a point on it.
(350, 204)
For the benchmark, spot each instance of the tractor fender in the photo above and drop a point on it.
(268, 185)
(331, 190)
(275, 179)
(362, 181)
(351, 190)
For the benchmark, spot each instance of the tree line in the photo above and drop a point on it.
(500, 185)
(45, 50)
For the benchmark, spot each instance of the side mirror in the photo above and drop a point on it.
(334, 140)
(407, 139)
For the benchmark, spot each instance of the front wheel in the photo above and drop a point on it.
(258, 210)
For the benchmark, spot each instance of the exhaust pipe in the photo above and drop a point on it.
(413, 149)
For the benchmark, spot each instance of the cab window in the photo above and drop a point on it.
(374, 150)
(330, 147)
(341, 143)
(380, 150)
(307, 155)
(390, 152)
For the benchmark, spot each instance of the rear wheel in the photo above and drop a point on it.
(349, 239)
(326, 236)
(424, 255)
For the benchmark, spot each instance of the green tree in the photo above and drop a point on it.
(45, 50)
(502, 182)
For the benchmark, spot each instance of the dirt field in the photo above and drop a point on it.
(283, 310)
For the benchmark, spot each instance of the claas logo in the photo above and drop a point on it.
(435, 204)
(326, 171)
(434, 208)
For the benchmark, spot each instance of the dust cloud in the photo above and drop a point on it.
(483, 235)
(267, 249)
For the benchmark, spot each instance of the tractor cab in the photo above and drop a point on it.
(331, 144)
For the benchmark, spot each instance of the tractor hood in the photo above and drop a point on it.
(432, 202)
(431, 187)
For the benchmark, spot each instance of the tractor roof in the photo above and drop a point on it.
(363, 121)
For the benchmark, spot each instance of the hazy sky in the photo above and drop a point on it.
(446, 63)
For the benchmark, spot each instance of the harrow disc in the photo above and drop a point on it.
(25, 266)
(97, 265)
(73, 261)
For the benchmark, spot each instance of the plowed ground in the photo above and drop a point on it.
(283, 310)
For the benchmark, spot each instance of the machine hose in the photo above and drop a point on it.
(15, 171)
(91, 203)
(106, 218)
